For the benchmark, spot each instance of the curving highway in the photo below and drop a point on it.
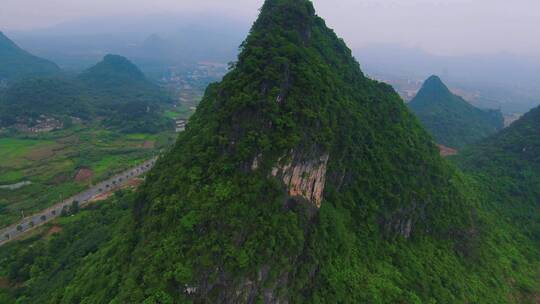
(28, 223)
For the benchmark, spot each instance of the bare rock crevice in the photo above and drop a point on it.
(403, 220)
(304, 177)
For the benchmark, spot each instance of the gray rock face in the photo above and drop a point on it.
(402, 221)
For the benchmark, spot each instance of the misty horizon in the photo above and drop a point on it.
(390, 40)
(443, 27)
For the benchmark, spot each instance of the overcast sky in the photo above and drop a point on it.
(440, 26)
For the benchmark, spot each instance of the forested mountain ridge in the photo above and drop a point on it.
(520, 142)
(116, 75)
(114, 89)
(16, 63)
(451, 120)
(124, 95)
(297, 180)
(509, 163)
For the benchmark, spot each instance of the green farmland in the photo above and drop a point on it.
(61, 163)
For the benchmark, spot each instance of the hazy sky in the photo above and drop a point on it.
(439, 26)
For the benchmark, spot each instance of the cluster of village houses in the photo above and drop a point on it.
(43, 124)
(180, 125)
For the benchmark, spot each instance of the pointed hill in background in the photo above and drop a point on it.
(16, 63)
(155, 46)
(116, 76)
(297, 180)
(450, 119)
(114, 89)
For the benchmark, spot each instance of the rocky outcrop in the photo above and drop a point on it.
(447, 151)
(304, 177)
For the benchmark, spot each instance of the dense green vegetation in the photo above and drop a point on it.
(26, 101)
(48, 259)
(450, 119)
(114, 90)
(117, 77)
(397, 224)
(15, 63)
(508, 164)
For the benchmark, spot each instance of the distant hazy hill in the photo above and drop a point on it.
(450, 119)
(182, 39)
(116, 75)
(511, 82)
(113, 71)
(17, 63)
(156, 46)
(114, 88)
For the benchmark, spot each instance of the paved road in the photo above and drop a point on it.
(25, 225)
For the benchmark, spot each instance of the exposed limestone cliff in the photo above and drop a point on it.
(304, 177)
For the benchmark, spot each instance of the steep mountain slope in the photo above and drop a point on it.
(519, 143)
(257, 199)
(450, 119)
(15, 63)
(299, 180)
(509, 163)
(114, 89)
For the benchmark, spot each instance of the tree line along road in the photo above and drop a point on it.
(28, 223)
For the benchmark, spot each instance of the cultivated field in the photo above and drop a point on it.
(62, 163)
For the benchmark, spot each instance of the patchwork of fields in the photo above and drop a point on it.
(62, 163)
(38, 170)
